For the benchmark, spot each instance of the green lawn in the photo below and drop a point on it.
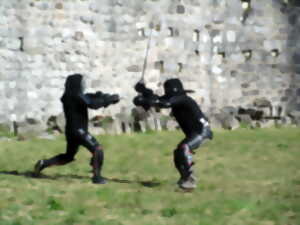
(246, 177)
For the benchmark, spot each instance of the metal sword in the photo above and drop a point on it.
(145, 59)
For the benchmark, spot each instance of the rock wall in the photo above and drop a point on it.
(230, 54)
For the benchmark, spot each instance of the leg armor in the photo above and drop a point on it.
(95, 148)
(183, 160)
(183, 155)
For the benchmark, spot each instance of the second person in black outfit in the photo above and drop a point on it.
(190, 118)
(75, 106)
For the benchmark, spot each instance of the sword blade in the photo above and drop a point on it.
(146, 57)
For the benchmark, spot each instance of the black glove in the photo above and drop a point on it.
(105, 97)
(141, 88)
(99, 94)
(110, 99)
(114, 98)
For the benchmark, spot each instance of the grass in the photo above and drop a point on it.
(246, 177)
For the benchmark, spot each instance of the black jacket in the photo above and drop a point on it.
(76, 104)
(185, 110)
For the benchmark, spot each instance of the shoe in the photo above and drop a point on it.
(181, 179)
(99, 180)
(193, 177)
(38, 167)
(189, 183)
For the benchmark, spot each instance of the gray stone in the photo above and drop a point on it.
(266, 123)
(293, 19)
(61, 121)
(46, 136)
(262, 102)
(3, 139)
(32, 121)
(172, 125)
(245, 85)
(59, 5)
(284, 99)
(228, 122)
(215, 123)
(13, 44)
(180, 9)
(295, 116)
(285, 121)
(294, 113)
(134, 68)
(247, 68)
(297, 67)
(126, 120)
(139, 114)
(251, 93)
(87, 19)
(79, 36)
(113, 127)
(96, 130)
(28, 130)
(289, 92)
(244, 119)
(213, 33)
(43, 6)
(230, 110)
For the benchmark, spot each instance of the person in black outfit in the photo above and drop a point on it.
(75, 106)
(190, 118)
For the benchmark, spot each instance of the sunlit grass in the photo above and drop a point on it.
(246, 177)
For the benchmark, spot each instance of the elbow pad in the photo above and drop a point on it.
(139, 100)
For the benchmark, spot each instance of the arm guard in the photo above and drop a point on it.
(156, 101)
(163, 102)
(98, 100)
(91, 101)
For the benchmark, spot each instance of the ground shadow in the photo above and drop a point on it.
(30, 174)
(143, 183)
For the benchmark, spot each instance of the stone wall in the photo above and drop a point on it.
(229, 55)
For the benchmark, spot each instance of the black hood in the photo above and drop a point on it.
(73, 85)
(174, 87)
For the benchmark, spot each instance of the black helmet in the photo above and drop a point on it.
(73, 85)
(174, 87)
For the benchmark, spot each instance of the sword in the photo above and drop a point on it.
(145, 59)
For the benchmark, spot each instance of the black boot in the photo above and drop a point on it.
(99, 180)
(38, 167)
(97, 161)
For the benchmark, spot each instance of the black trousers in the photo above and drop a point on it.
(74, 141)
(183, 159)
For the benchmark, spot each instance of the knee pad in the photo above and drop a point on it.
(186, 154)
(98, 153)
(183, 160)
